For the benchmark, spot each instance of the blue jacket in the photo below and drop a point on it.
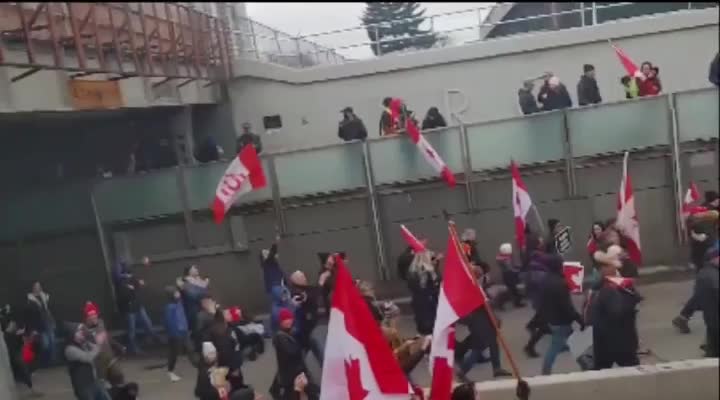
(278, 302)
(176, 324)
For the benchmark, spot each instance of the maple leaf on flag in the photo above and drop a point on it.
(355, 387)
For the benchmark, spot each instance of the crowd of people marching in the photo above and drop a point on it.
(218, 340)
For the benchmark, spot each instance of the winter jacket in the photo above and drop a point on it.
(699, 228)
(614, 318)
(556, 307)
(352, 129)
(207, 150)
(106, 359)
(273, 274)
(204, 390)
(554, 99)
(706, 290)
(714, 76)
(424, 300)
(81, 366)
(280, 297)
(387, 127)
(202, 326)
(527, 102)
(176, 324)
(290, 358)
(588, 91)
(306, 313)
(403, 262)
(433, 122)
(38, 316)
(249, 138)
(128, 290)
(631, 89)
(649, 87)
(374, 310)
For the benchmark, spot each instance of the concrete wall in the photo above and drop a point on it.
(47, 90)
(692, 379)
(488, 73)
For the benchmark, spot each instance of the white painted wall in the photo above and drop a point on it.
(682, 44)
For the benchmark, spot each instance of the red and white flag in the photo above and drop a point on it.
(423, 145)
(359, 363)
(459, 296)
(521, 204)
(627, 220)
(630, 67)
(574, 273)
(244, 174)
(411, 240)
(692, 196)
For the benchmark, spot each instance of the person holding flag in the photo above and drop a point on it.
(627, 222)
(358, 363)
(244, 174)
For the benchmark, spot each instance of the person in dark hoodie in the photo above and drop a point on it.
(554, 95)
(178, 332)
(228, 350)
(15, 337)
(130, 305)
(510, 273)
(81, 354)
(537, 270)
(280, 300)
(706, 292)
(557, 310)
(526, 99)
(289, 356)
(351, 127)
(39, 319)
(433, 119)
(326, 278)
(703, 233)
(714, 75)
(587, 87)
(248, 137)
(424, 284)
(613, 315)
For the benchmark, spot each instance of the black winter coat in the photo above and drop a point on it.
(352, 129)
(289, 356)
(614, 319)
(714, 77)
(249, 138)
(706, 290)
(556, 307)
(588, 91)
(527, 102)
(554, 99)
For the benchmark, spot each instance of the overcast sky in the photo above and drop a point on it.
(307, 18)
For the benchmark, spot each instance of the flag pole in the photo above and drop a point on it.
(539, 219)
(523, 389)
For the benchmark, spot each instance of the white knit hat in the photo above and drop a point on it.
(506, 249)
(208, 348)
(554, 81)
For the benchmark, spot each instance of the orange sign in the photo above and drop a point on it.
(89, 95)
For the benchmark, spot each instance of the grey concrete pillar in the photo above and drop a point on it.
(5, 90)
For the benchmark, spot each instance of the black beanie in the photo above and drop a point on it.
(588, 68)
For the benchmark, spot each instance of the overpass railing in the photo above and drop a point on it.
(263, 43)
(364, 167)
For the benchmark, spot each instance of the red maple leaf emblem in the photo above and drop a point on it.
(352, 373)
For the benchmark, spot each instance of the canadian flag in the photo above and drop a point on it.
(358, 362)
(627, 63)
(459, 296)
(521, 204)
(692, 196)
(627, 221)
(423, 145)
(411, 240)
(574, 274)
(244, 174)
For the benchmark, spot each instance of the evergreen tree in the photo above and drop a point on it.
(397, 21)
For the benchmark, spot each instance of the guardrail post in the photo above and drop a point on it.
(276, 196)
(299, 51)
(378, 51)
(103, 246)
(467, 168)
(253, 39)
(374, 214)
(570, 176)
(676, 168)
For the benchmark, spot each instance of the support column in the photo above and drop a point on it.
(277, 197)
(183, 144)
(103, 248)
(676, 169)
(374, 214)
(467, 168)
(6, 96)
(570, 177)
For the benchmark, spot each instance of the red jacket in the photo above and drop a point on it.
(649, 87)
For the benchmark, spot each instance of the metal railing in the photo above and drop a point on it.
(453, 28)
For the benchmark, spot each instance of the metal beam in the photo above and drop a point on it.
(375, 222)
(24, 75)
(79, 48)
(29, 48)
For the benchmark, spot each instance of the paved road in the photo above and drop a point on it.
(662, 302)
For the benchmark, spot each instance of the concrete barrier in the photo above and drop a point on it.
(7, 383)
(680, 380)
